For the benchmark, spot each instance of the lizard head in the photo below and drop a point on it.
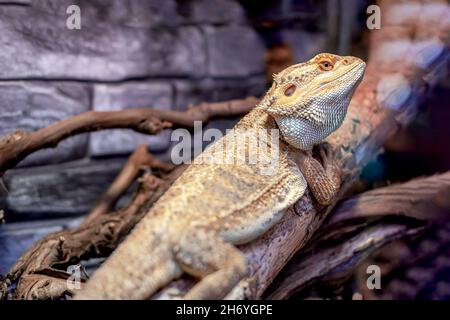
(309, 100)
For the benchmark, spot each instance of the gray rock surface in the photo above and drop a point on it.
(224, 89)
(108, 97)
(189, 92)
(115, 41)
(15, 2)
(31, 105)
(211, 12)
(305, 44)
(58, 190)
(234, 51)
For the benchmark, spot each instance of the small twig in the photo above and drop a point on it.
(139, 159)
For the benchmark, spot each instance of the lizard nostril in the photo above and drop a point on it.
(346, 61)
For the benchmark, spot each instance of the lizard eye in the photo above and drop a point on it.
(326, 65)
(290, 90)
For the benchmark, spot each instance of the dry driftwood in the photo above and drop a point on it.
(97, 236)
(385, 101)
(360, 225)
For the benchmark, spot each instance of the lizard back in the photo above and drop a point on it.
(223, 184)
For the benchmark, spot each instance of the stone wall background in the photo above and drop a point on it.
(128, 53)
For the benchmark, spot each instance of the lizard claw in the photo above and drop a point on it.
(329, 155)
(348, 173)
(332, 161)
(333, 157)
(171, 294)
(325, 152)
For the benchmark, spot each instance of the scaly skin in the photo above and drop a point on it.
(211, 207)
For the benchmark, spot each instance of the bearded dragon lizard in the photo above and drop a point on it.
(194, 227)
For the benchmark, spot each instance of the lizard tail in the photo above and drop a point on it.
(140, 266)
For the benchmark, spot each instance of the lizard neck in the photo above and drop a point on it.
(257, 119)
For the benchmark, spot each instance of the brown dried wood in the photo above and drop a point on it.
(360, 225)
(16, 146)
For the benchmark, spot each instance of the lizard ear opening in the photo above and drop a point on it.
(289, 91)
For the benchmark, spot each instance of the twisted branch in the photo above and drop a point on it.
(16, 146)
(39, 268)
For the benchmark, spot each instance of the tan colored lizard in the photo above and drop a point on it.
(211, 207)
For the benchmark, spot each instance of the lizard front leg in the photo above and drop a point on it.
(219, 265)
(324, 180)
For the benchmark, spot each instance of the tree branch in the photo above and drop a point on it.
(16, 146)
(136, 162)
